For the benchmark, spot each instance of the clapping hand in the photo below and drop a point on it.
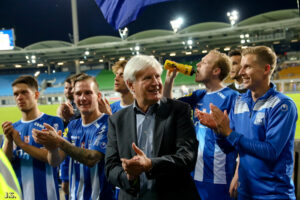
(136, 165)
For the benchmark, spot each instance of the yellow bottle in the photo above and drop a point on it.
(185, 69)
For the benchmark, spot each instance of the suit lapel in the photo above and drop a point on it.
(160, 120)
(130, 120)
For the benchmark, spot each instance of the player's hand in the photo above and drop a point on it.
(233, 186)
(221, 119)
(47, 137)
(7, 130)
(171, 74)
(65, 111)
(206, 119)
(104, 106)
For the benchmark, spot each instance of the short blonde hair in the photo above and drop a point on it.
(264, 54)
(223, 62)
(118, 65)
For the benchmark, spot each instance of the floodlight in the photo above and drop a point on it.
(233, 17)
(123, 33)
(176, 24)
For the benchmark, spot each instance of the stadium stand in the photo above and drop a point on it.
(57, 78)
(289, 73)
(93, 72)
(5, 84)
(54, 90)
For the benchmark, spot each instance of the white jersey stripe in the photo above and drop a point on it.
(51, 191)
(200, 164)
(219, 166)
(72, 194)
(95, 182)
(27, 179)
(81, 183)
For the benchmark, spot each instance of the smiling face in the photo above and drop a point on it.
(147, 87)
(25, 97)
(120, 85)
(252, 72)
(86, 96)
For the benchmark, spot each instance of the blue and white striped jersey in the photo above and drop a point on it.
(38, 180)
(85, 182)
(213, 165)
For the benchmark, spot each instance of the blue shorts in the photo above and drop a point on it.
(211, 191)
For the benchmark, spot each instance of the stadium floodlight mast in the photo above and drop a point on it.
(176, 24)
(233, 17)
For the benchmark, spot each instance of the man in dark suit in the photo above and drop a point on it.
(152, 146)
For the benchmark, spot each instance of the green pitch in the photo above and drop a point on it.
(13, 114)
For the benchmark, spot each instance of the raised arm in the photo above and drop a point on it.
(37, 153)
(169, 81)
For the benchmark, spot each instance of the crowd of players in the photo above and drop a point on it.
(238, 144)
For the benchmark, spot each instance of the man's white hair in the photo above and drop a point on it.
(138, 63)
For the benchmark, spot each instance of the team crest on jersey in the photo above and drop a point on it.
(55, 126)
(284, 107)
(66, 132)
(259, 119)
(27, 139)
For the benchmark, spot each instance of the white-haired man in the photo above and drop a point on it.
(152, 146)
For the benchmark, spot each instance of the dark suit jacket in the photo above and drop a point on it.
(174, 147)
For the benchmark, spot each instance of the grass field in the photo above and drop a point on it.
(13, 114)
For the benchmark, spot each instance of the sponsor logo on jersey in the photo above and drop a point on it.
(221, 95)
(39, 125)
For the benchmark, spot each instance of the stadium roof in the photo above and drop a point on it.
(281, 26)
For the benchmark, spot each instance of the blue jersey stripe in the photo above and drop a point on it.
(39, 176)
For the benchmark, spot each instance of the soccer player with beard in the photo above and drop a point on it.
(214, 169)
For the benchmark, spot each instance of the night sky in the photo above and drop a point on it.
(39, 20)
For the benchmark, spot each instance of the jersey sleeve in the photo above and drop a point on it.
(193, 98)
(280, 129)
